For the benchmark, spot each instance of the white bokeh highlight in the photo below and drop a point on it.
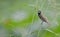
(19, 16)
(21, 31)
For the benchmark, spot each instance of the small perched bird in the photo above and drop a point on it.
(42, 17)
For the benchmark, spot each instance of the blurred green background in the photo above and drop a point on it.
(18, 18)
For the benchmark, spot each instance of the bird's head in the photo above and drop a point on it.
(39, 12)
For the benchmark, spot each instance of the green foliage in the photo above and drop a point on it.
(18, 18)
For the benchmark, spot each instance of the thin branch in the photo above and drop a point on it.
(52, 32)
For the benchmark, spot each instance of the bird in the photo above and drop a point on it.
(43, 17)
